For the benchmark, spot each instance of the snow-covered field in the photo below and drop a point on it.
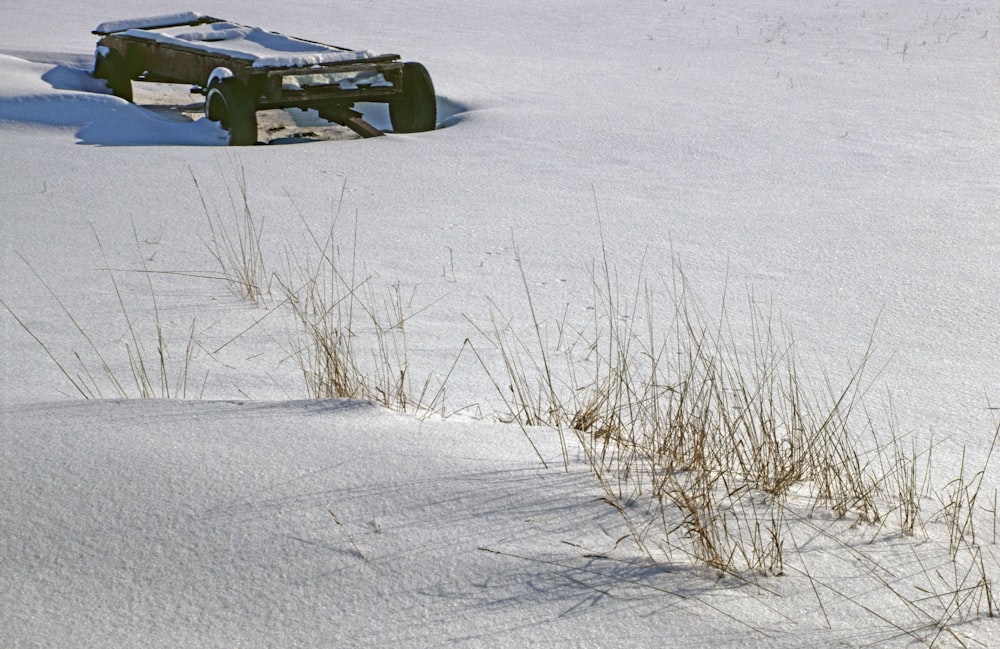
(837, 160)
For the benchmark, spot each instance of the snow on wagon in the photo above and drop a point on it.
(241, 70)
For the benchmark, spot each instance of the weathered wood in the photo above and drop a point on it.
(148, 57)
(362, 128)
(352, 119)
(328, 85)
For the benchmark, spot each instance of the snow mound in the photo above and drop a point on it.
(164, 523)
(39, 94)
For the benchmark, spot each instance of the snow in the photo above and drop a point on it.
(150, 22)
(266, 49)
(838, 161)
(294, 510)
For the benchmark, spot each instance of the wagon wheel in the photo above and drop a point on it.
(415, 110)
(229, 102)
(111, 67)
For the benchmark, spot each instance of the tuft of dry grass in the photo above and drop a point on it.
(235, 242)
(334, 309)
(714, 448)
(711, 434)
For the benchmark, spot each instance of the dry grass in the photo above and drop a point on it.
(704, 437)
(710, 434)
(714, 449)
(235, 242)
(153, 369)
(336, 308)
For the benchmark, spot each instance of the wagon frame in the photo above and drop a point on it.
(241, 70)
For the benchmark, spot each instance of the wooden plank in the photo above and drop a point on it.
(352, 119)
(362, 128)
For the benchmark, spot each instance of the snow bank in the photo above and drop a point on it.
(59, 96)
(182, 524)
(309, 523)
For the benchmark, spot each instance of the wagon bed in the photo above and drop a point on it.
(242, 69)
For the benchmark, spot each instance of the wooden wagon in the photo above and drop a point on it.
(241, 70)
